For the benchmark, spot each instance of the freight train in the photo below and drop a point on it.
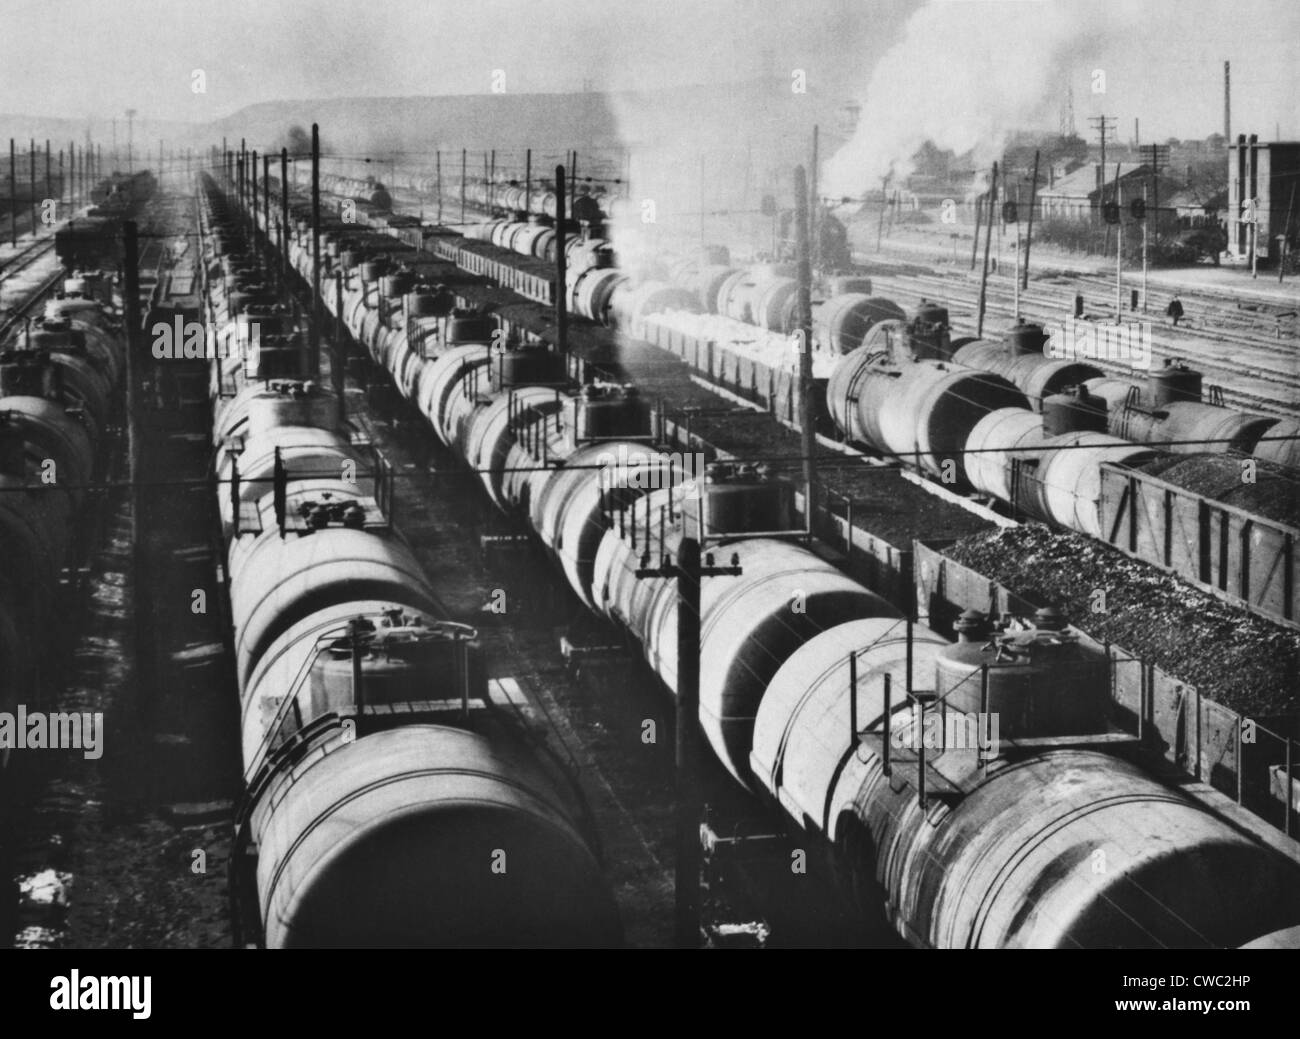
(816, 694)
(1166, 408)
(1060, 466)
(94, 240)
(388, 802)
(58, 384)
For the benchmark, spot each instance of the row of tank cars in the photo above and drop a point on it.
(389, 802)
(59, 382)
(1004, 419)
(1054, 836)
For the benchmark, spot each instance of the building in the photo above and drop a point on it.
(1261, 176)
(1079, 194)
(1192, 210)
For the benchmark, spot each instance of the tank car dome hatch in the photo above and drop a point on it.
(527, 366)
(1024, 338)
(928, 332)
(397, 283)
(605, 411)
(1074, 410)
(1039, 682)
(738, 499)
(890, 340)
(396, 658)
(1174, 381)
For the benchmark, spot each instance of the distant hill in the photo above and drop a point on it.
(759, 123)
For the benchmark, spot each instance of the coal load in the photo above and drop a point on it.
(1241, 661)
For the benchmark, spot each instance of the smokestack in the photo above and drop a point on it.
(1227, 101)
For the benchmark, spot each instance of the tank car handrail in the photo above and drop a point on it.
(261, 756)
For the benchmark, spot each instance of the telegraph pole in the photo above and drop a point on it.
(1016, 281)
(815, 252)
(689, 574)
(1157, 155)
(988, 241)
(1145, 235)
(313, 365)
(1119, 249)
(804, 312)
(13, 196)
(1103, 124)
(561, 269)
(1029, 231)
(1286, 237)
(284, 217)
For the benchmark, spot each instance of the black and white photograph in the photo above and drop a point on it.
(650, 475)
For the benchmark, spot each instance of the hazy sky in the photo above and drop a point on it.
(97, 57)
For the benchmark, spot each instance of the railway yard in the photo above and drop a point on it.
(890, 553)
(414, 548)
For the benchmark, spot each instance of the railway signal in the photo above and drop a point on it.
(1137, 209)
(1110, 212)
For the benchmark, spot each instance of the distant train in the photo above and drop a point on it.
(95, 240)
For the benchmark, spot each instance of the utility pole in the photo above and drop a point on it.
(1029, 232)
(338, 361)
(988, 241)
(804, 318)
(257, 256)
(573, 179)
(1103, 124)
(13, 196)
(1119, 249)
(1157, 155)
(437, 161)
(284, 218)
(884, 204)
(561, 269)
(266, 198)
(689, 575)
(1016, 281)
(975, 241)
(1286, 237)
(144, 643)
(528, 180)
(313, 363)
(464, 159)
(815, 252)
(130, 134)
(1145, 235)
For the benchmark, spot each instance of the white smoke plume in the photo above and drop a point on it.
(965, 75)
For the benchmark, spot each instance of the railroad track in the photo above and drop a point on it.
(1246, 383)
(18, 313)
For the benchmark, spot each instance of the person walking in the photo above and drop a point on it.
(1175, 309)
